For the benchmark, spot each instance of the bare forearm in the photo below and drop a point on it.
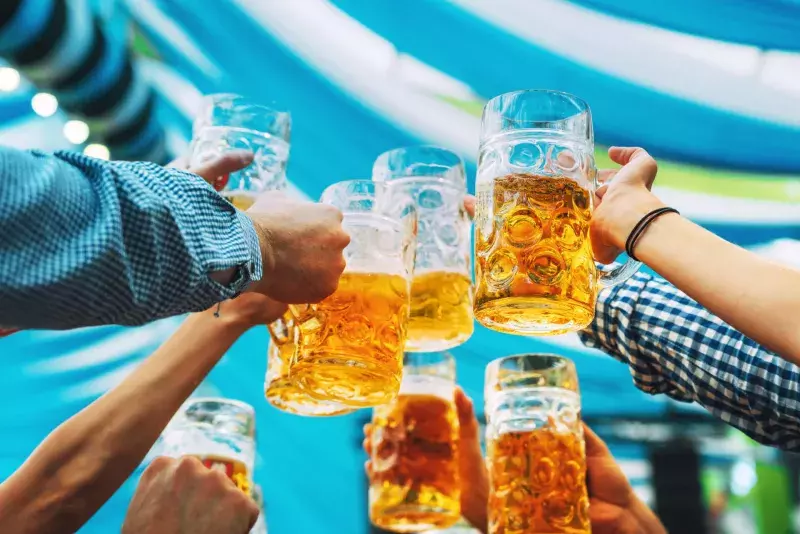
(83, 462)
(755, 296)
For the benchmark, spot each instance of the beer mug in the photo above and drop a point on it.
(229, 122)
(349, 347)
(220, 433)
(434, 180)
(534, 269)
(534, 446)
(414, 482)
(279, 388)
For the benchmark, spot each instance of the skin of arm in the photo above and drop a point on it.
(85, 460)
(754, 295)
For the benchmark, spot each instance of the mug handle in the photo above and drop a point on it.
(618, 274)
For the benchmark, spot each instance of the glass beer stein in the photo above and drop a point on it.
(220, 433)
(534, 269)
(534, 447)
(350, 346)
(279, 388)
(434, 180)
(414, 483)
(229, 122)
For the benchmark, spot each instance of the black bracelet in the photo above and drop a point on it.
(641, 226)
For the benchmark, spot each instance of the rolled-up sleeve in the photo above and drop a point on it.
(87, 242)
(673, 345)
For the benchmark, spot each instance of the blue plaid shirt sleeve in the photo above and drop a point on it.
(675, 346)
(88, 242)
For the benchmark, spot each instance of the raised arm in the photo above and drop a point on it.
(83, 461)
(675, 346)
(86, 242)
(757, 297)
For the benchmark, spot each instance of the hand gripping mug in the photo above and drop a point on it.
(534, 269)
(414, 480)
(229, 122)
(349, 347)
(220, 433)
(535, 451)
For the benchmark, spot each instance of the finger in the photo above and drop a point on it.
(469, 205)
(595, 447)
(636, 157)
(367, 443)
(467, 420)
(254, 512)
(599, 194)
(626, 154)
(223, 165)
(606, 175)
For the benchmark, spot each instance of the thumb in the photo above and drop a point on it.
(222, 165)
(595, 447)
(469, 206)
(638, 165)
(467, 420)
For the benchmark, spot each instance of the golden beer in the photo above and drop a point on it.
(414, 483)
(535, 273)
(283, 392)
(441, 311)
(351, 343)
(241, 202)
(538, 483)
(234, 469)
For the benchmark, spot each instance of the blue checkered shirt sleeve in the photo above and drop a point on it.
(675, 346)
(87, 242)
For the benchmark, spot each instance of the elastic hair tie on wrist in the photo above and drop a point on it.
(640, 228)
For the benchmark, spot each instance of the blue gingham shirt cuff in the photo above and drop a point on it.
(248, 271)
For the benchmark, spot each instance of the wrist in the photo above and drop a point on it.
(631, 210)
(266, 250)
(223, 320)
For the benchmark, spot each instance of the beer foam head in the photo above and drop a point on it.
(427, 385)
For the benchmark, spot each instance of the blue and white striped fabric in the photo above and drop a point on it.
(363, 77)
(62, 47)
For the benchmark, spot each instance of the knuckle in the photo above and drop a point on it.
(189, 466)
(219, 478)
(159, 464)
